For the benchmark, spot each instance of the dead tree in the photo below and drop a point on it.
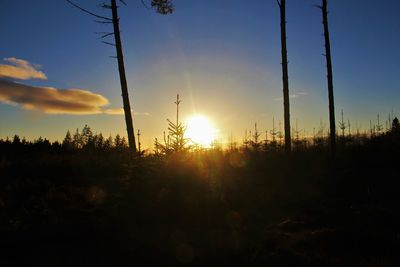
(332, 125)
(162, 7)
(285, 76)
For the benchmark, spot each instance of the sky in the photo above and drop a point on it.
(221, 56)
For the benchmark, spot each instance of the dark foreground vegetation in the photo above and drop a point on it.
(240, 207)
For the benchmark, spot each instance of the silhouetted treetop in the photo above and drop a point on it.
(163, 7)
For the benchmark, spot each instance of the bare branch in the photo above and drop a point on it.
(123, 2)
(103, 22)
(107, 43)
(279, 3)
(88, 12)
(144, 4)
(107, 34)
(104, 5)
(162, 7)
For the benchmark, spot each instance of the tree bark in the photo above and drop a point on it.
(329, 76)
(285, 77)
(122, 76)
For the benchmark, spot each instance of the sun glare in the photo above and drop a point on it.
(200, 130)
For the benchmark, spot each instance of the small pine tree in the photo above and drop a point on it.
(87, 137)
(256, 142)
(77, 140)
(177, 141)
(98, 141)
(16, 140)
(395, 131)
(108, 143)
(124, 143)
(67, 142)
(117, 141)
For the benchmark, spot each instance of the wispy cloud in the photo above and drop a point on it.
(20, 69)
(293, 95)
(52, 100)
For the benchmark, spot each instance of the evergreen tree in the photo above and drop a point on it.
(67, 142)
(77, 140)
(98, 141)
(108, 143)
(124, 143)
(118, 141)
(16, 140)
(87, 137)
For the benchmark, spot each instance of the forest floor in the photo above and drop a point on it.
(209, 208)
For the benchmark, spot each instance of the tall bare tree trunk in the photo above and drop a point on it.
(122, 77)
(332, 123)
(285, 77)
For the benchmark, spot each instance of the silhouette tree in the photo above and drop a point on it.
(108, 143)
(139, 144)
(67, 142)
(285, 77)
(274, 133)
(175, 141)
(395, 126)
(255, 143)
(87, 137)
(379, 126)
(342, 125)
(177, 131)
(118, 141)
(16, 140)
(77, 140)
(332, 124)
(162, 7)
(98, 141)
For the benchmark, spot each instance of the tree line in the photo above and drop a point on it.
(80, 140)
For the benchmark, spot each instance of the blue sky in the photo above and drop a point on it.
(223, 57)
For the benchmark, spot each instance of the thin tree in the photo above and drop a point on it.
(342, 125)
(332, 125)
(285, 77)
(379, 126)
(139, 144)
(162, 7)
(177, 131)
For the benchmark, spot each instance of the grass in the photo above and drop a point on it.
(204, 208)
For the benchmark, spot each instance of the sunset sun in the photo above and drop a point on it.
(200, 130)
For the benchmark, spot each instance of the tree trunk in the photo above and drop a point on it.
(122, 76)
(330, 76)
(285, 78)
